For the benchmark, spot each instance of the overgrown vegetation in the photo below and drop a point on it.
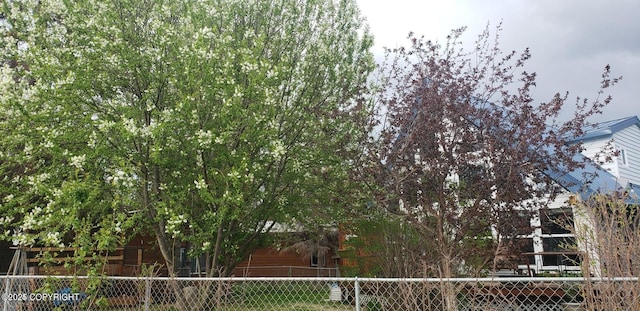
(607, 228)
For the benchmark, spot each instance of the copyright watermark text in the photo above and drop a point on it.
(41, 297)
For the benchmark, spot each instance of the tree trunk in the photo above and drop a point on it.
(449, 294)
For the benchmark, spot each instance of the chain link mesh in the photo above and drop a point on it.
(266, 294)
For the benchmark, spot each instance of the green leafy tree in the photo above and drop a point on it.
(205, 122)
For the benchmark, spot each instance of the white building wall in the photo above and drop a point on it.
(628, 141)
(626, 167)
(595, 150)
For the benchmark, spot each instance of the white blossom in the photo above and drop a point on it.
(92, 141)
(8, 198)
(200, 184)
(37, 179)
(56, 193)
(104, 125)
(22, 239)
(130, 126)
(248, 67)
(6, 80)
(119, 177)
(6, 220)
(204, 138)
(78, 161)
(174, 224)
(52, 238)
(277, 149)
(48, 144)
(194, 116)
(28, 148)
(233, 174)
(56, 6)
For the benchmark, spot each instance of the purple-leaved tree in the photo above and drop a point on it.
(461, 149)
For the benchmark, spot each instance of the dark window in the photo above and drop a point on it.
(556, 221)
(554, 244)
(318, 260)
(471, 146)
(131, 255)
(515, 222)
(562, 260)
(560, 251)
(527, 250)
(197, 265)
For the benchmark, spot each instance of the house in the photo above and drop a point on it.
(547, 249)
(550, 247)
(621, 135)
(135, 258)
(128, 260)
(272, 262)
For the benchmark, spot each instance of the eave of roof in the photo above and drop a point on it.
(586, 181)
(608, 128)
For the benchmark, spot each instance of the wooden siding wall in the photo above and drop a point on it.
(124, 261)
(269, 262)
(141, 250)
(629, 140)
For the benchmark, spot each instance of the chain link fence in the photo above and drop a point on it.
(289, 271)
(265, 294)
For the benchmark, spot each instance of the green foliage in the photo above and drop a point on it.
(384, 246)
(205, 122)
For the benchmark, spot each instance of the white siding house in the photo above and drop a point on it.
(623, 135)
(546, 248)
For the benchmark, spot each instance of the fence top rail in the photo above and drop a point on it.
(343, 279)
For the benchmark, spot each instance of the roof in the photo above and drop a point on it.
(592, 178)
(586, 181)
(608, 128)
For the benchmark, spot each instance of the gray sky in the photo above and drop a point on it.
(570, 40)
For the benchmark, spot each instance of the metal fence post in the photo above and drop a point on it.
(357, 290)
(147, 293)
(5, 297)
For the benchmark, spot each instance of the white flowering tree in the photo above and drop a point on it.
(203, 122)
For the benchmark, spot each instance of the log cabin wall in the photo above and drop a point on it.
(141, 251)
(270, 262)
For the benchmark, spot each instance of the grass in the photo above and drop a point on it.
(299, 306)
(268, 297)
